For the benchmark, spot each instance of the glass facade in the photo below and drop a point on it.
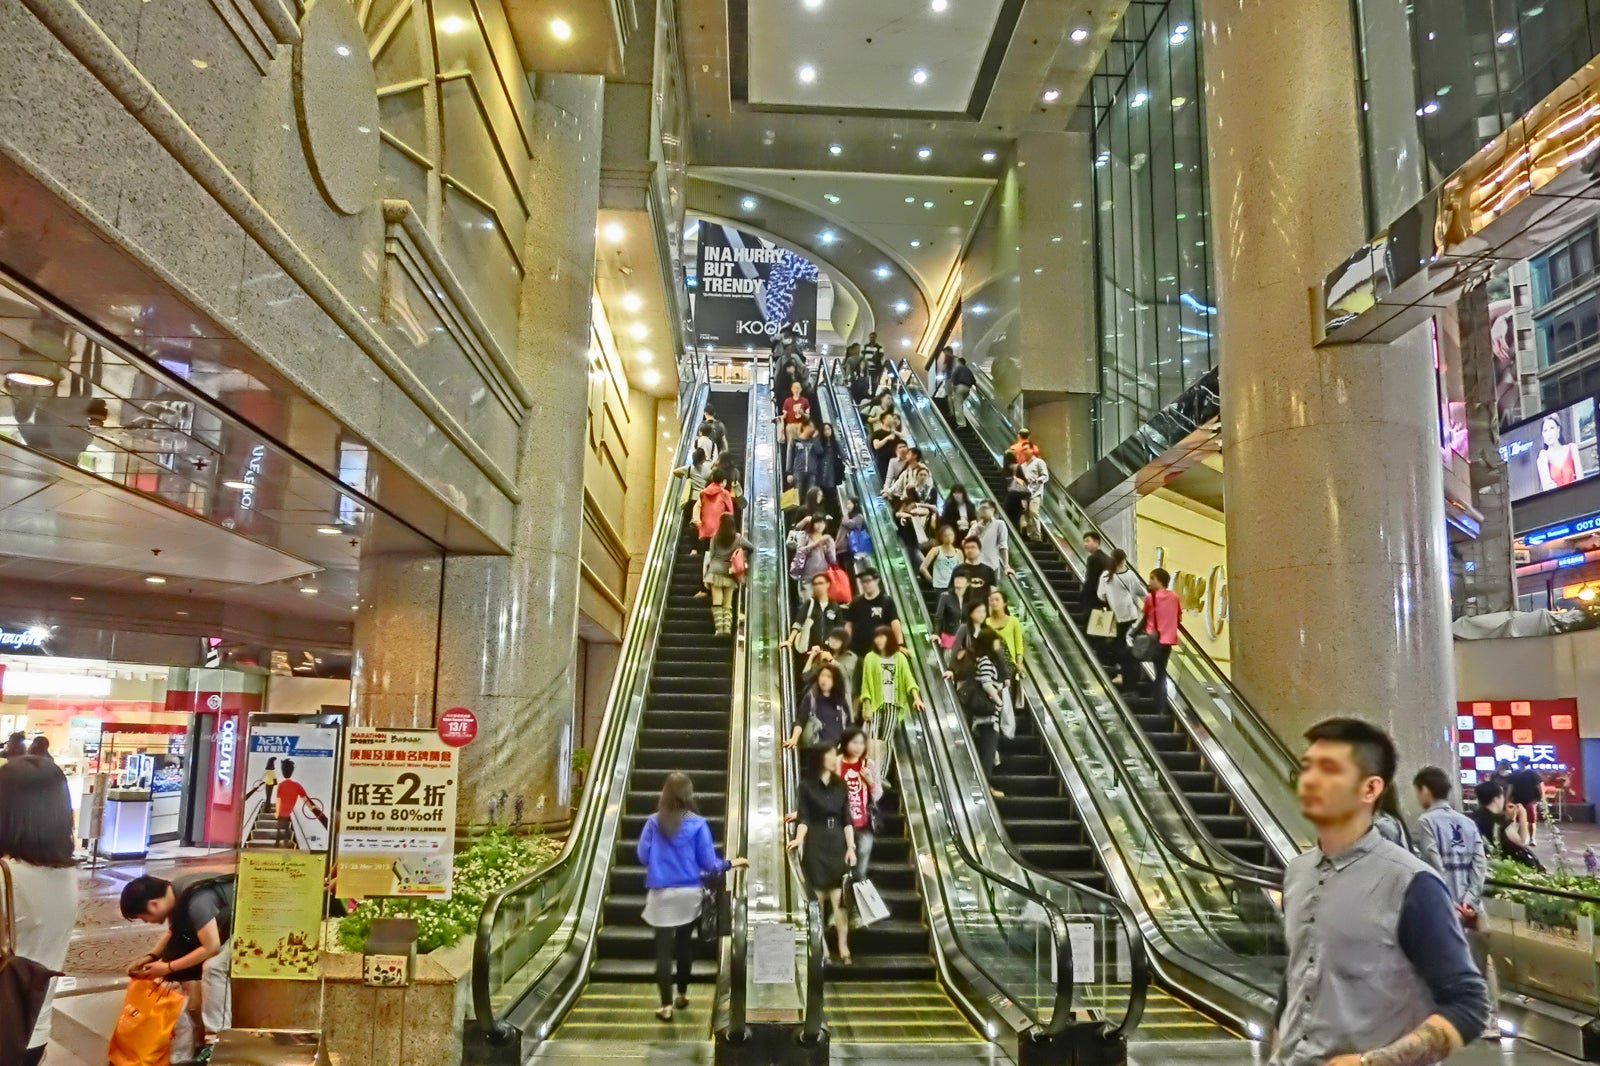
(1442, 78)
(1153, 265)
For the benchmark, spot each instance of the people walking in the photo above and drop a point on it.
(796, 410)
(715, 502)
(1527, 791)
(822, 713)
(1095, 562)
(36, 848)
(871, 610)
(825, 839)
(818, 617)
(982, 696)
(1162, 612)
(1378, 970)
(834, 650)
(1120, 592)
(864, 788)
(1449, 841)
(962, 382)
(723, 568)
(959, 512)
(942, 559)
(978, 574)
(678, 855)
(888, 693)
(994, 539)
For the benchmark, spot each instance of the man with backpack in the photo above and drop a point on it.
(194, 952)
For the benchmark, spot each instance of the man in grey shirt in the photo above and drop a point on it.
(1379, 973)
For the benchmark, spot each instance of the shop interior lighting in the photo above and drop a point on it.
(155, 579)
(41, 683)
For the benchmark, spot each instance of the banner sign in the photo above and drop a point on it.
(747, 289)
(277, 922)
(289, 785)
(1545, 732)
(397, 821)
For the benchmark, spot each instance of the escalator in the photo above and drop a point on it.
(1203, 787)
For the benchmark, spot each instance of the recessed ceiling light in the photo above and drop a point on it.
(939, 6)
(1080, 35)
(1052, 95)
(452, 24)
(927, 203)
(919, 76)
(901, 307)
(645, 355)
(813, 5)
(807, 73)
(835, 149)
(308, 590)
(329, 531)
(882, 272)
(923, 153)
(155, 579)
(639, 331)
(1506, 38)
(916, 244)
(1179, 101)
(1140, 98)
(989, 157)
(905, 342)
(831, 197)
(24, 377)
(77, 599)
(967, 203)
(826, 236)
(632, 303)
(979, 309)
(614, 232)
(183, 614)
(651, 378)
(238, 485)
(561, 29)
(911, 199)
(748, 203)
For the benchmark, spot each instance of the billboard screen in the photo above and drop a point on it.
(747, 289)
(1551, 451)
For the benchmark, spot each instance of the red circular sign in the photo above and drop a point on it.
(457, 727)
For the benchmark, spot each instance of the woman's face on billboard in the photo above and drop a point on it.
(1552, 431)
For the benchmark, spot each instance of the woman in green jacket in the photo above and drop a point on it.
(1008, 627)
(888, 692)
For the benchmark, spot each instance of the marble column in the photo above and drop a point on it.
(508, 634)
(1335, 513)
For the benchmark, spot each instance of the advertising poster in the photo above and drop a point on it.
(277, 921)
(289, 779)
(747, 289)
(397, 821)
(1545, 732)
(1551, 451)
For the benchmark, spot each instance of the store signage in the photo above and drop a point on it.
(225, 754)
(32, 638)
(1490, 732)
(252, 473)
(1575, 559)
(397, 815)
(1206, 596)
(1572, 528)
(458, 727)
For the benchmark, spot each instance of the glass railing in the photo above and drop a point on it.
(1246, 754)
(1216, 930)
(1542, 945)
(531, 953)
(979, 895)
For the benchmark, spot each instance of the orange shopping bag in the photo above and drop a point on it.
(150, 1013)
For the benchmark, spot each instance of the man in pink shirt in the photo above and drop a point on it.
(1162, 612)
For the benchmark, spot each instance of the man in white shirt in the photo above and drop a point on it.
(994, 540)
(897, 466)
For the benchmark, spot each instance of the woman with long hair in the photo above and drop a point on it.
(717, 571)
(825, 838)
(959, 511)
(1559, 462)
(678, 855)
(888, 692)
(942, 559)
(863, 786)
(982, 695)
(1121, 592)
(825, 700)
(36, 847)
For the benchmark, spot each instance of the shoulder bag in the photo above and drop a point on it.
(716, 909)
(1102, 623)
(737, 564)
(23, 983)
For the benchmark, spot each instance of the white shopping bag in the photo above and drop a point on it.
(869, 905)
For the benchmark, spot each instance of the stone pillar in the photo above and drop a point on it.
(1335, 513)
(1491, 585)
(508, 635)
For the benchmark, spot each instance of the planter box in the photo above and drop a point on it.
(419, 1025)
(1540, 960)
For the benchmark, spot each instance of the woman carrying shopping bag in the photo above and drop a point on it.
(888, 693)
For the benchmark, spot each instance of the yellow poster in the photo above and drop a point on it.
(277, 922)
(397, 815)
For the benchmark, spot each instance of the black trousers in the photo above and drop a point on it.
(1159, 693)
(987, 738)
(33, 1056)
(674, 945)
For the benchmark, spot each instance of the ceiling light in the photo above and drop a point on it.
(924, 153)
(919, 76)
(32, 380)
(639, 331)
(979, 309)
(155, 579)
(835, 149)
(1180, 33)
(561, 29)
(901, 307)
(831, 197)
(452, 24)
(238, 485)
(1080, 35)
(911, 199)
(939, 5)
(989, 157)
(1052, 95)
(748, 203)
(651, 378)
(1429, 108)
(905, 342)
(826, 236)
(882, 272)
(813, 5)
(78, 599)
(1506, 38)
(807, 73)
(966, 203)
(1179, 101)
(614, 232)
(308, 590)
(1140, 98)
(329, 531)
(632, 303)
(916, 244)
(645, 355)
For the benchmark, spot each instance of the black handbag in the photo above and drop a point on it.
(1144, 646)
(23, 984)
(716, 909)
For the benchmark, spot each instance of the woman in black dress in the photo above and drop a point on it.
(825, 838)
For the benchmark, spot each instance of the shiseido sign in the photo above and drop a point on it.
(25, 640)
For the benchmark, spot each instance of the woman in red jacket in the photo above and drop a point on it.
(1162, 614)
(715, 501)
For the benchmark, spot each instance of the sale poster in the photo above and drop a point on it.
(277, 921)
(397, 821)
(290, 771)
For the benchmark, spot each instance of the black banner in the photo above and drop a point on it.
(747, 289)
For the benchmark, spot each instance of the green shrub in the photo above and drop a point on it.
(494, 861)
(1546, 910)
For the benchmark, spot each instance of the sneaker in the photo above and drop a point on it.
(664, 1014)
(682, 1002)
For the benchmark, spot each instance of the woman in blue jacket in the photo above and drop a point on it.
(678, 854)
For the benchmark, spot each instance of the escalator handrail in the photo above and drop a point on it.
(1061, 1012)
(1058, 490)
(631, 669)
(1245, 871)
(736, 827)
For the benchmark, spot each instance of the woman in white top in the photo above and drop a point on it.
(36, 846)
(1120, 591)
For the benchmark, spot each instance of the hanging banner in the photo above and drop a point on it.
(397, 818)
(747, 289)
(289, 785)
(277, 921)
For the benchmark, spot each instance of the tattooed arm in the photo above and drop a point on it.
(1431, 1042)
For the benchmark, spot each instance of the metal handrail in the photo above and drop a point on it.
(1250, 873)
(582, 839)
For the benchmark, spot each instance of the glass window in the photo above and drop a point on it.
(1569, 332)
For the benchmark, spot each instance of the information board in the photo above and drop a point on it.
(277, 921)
(397, 815)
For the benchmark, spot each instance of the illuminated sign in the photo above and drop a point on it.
(227, 747)
(1575, 559)
(252, 473)
(32, 638)
(1587, 524)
